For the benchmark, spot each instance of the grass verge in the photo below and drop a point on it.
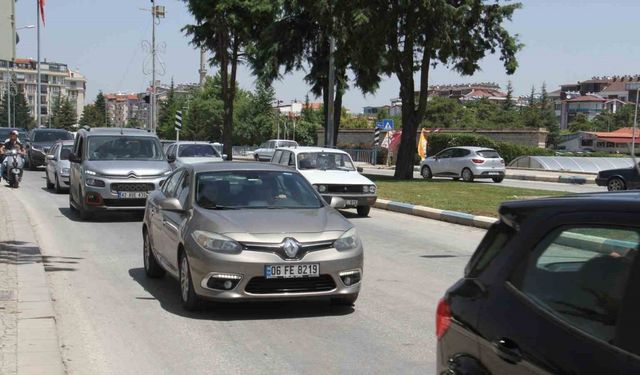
(478, 198)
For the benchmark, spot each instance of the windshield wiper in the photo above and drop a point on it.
(218, 207)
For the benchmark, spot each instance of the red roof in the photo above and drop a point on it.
(622, 135)
(23, 61)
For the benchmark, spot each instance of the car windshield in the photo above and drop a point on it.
(51, 136)
(287, 144)
(66, 150)
(489, 154)
(197, 151)
(325, 161)
(124, 148)
(254, 189)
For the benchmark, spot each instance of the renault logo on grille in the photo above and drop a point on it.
(290, 247)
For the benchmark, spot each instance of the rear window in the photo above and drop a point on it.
(489, 154)
(51, 136)
(493, 242)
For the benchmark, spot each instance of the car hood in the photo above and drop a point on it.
(140, 168)
(317, 176)
(198, 160)
(267, 225)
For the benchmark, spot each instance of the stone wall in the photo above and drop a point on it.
(363, 138)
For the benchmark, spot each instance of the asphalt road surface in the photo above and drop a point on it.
(113, 320)
(541, 185)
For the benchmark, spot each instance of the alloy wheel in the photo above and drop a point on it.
(615, 184)
(184, 278)
(146, 252)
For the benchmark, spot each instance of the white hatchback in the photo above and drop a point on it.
(332, 173)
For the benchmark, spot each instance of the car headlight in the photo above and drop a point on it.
(90, 173)
(216, 242)
(372, 189)
(64, 171)
(349, 240)
(94, 182)
(321, 188)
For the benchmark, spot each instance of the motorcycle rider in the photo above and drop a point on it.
(9, 144)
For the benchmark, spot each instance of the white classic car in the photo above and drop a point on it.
(332, 173)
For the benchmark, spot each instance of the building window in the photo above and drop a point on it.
(610, 145)
(587, 143)
(600, 144)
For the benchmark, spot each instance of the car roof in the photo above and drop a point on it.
(308, 149)
(117, 131)
(236, 166)
(624, 201)
(192, 143)
(472, 148)
(49, 130)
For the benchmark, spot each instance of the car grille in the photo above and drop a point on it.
(344, 189)
(125, 202)
(261, 285)
(306, 247)
(124, 186)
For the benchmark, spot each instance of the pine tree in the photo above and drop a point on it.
(23, 117)
(532, 97)
(508, 103)
(544, 97)
(64, 115)
(3, 111)
(100, 106)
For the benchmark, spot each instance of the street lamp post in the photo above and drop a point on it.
(630, 87)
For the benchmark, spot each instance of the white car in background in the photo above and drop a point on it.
(332, 173)
(266, 150)
(190, 152)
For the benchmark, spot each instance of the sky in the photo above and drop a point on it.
(565, 41)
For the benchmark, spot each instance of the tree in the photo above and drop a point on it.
(255, 122)
(204, 117)
(227, 28)
(20, 112)
(508, 102)
(532, 97)
(580, 123)
(63, 115)
(89, 116)
(134, 123)
(410, 37)
(98, 116)
(544, 97)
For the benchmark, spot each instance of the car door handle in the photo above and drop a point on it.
(507, 350)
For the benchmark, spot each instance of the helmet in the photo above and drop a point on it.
(14, 132)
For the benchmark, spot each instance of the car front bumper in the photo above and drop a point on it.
(106, 198)
(250, 267)
(361, 199)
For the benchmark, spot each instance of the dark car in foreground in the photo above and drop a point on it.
(619, 179)
(553, 288)
(40, 143)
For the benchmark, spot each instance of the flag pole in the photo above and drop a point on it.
(38, 81)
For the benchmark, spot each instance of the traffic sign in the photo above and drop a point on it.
(178, 123)
(386, 124)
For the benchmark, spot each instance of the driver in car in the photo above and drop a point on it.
(10, 144)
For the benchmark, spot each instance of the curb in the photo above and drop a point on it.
(38, 348)
(454, 217)
(576, 180)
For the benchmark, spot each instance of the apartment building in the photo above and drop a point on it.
(57, 81)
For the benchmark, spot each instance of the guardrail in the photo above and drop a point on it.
(361, 155)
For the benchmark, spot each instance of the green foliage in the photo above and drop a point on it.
(63, 115)
(607, 121)
(100, 115)
(255, 119)
(508, 151)
(580, 123)
(508, 103)
(20, 112)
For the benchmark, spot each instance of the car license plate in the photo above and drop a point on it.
(494, 173)
(351, 202)
(290, 271)
(132, 194)
(15, 171)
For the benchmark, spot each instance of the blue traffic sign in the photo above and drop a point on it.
(387, 124)
(379, 125)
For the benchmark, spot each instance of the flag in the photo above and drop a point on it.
(422, 145)
(394, 142)
(41, 3)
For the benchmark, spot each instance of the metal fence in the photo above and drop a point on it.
(363, 156)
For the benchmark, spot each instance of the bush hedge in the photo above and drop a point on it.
(508, 151)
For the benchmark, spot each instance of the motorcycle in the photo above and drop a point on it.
(13, 167)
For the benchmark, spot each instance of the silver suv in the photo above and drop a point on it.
(468, 163)
(114, 169)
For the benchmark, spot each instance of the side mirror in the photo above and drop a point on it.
(337, 202)
(225, 157)
(171, 204)
(359, 169)
(171, 158)
(73, 158)
(51, 157)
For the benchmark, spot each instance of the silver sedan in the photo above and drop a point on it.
(249, 231)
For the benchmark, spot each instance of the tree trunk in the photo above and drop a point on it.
(325, 112)
(337, 107)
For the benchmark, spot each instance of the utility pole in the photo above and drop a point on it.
(157, 12)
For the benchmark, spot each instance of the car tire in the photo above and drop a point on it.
(426, 173)
(57, 186)
(49, 183)
(32, 166)
(256, 157)
(363, 211)
(616, 184)
(71, 202)
(152, 268)
(190, 300)
(497, 180)
(349, 300)
(83, 212)
(467, 175)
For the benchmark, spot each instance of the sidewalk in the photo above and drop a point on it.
(28, 336)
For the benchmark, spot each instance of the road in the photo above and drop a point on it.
(551, 186)
(113, 320)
